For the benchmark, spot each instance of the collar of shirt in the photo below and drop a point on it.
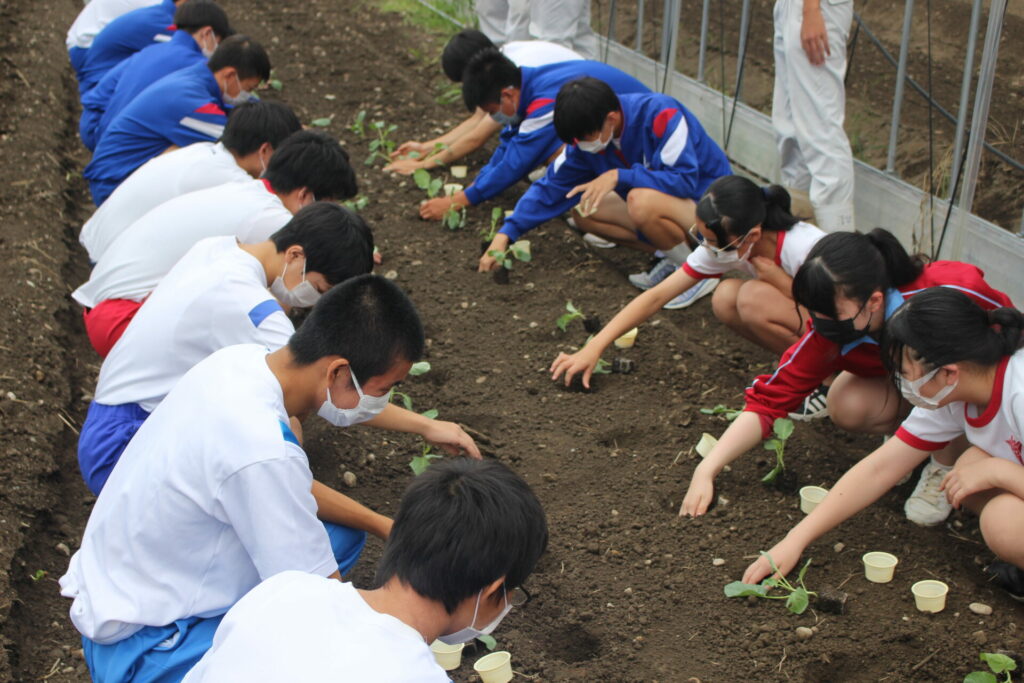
(893, 300)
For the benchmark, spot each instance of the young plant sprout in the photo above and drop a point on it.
(357, 204)
(519, 251)
(431, 186)
(797, 597)
(417, 369)
(420, 463)
(454, 218)
(487, 234)
(450, 94)
(358, 125)
(322, 123)
(489, 642)
(603, 367)
(730, 413)
(566, 318)
(275, 82)
(783, 429)
(383, 146)
(420, 368)
(998, 664)
(38, 574)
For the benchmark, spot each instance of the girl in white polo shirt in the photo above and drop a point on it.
(740, 226)
(963, 369)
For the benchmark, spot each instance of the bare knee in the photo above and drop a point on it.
(1000, 522)
(724, 301)
(640, 204)
(750, 302)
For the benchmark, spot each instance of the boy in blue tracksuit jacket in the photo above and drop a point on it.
(201, 27)
(644, 148)
(185, 107)
(125, 36)
(524, 99)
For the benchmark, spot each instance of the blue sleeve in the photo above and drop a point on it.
(673, 167)
(546, 198)
(531, 146)
(202, 124)
(94, 105)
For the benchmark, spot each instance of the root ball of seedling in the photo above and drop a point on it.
(592, 324)
(831, 601)
(501, 276)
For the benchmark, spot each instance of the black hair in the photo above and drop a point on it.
(733, 205)
(460, 49)
(314, 160)
(338, 243)
(487, 74)
(195, 14)
(581, 107)
(854, 265)
(942, 325)
(244, 54)
(462, 525)
(253, 123)
(367, 320)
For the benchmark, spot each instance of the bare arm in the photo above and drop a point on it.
(743, 434)
(469, 142)
(446, 435)
(334, 506)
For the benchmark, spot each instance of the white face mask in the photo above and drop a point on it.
(730, 256)
(594, 146)
(206, 49)
(505, 119)
(470, 632)
(368, 407)
(911, 390)
(303, 295)
(241, 98)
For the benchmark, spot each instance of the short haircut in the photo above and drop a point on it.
(367, 320)
(253, 123)
(581, 107)
(460, 49)
(338, 243)
(195, 14)
(244, 54)
(486, 75)
(314, 160)
(461, 525)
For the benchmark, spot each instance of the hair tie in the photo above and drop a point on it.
(996, 327)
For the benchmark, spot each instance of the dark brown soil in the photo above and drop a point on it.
(628, 590)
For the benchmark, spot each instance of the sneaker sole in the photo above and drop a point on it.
(677, 307)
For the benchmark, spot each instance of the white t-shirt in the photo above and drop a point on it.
(999, 430)
(97, 14)
(215, 296)
(211, 496)
(538, 53)
(162, 178)
(135, 263)
(298, 627)
(790, 253)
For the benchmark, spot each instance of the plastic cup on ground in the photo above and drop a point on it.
(495, 667)
(706, 443)
(450, 189)
(448, 657)
(627, 340)
(930, 595)
(879, 567)
(810, 496)
(459, 171)
(508, 213)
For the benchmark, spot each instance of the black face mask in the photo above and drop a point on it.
(841, 332)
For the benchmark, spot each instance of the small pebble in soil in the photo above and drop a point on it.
(64, 549)
(349, 478)
(838, 547)
(979, 637)
(980, 608)
(391, 275)
(803, 633)
(481, 379)
(615, 513)
(370, 457)
(717, 562)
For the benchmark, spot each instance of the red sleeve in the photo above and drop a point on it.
(802, 369)
(916, 442)
(697, 275)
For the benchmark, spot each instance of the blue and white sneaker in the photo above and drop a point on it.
(702, 288)
(661, 270)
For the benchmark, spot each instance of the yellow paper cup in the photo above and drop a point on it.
(451, 188)
(448, 656)
(930, 595)
(627, 340)
(879, 567)
(495, 667)
(459, 171)
(706, 443)
(810, 496)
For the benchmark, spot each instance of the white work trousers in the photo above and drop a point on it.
(566, 22)
(808, 108)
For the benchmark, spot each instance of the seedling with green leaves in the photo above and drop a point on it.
(487, 233)
(783, 429)
(421, 462)
(383, 146)
(38, 575)
(450, 94)
(359, 124)
(998, 664)
(323, 122)
(275, 82)
(454, 218)
(417, 369)
(566, 318)
(489, 642)
(797, 597)
(423, 180)
(730, 413)
(356, 204)
(517, 251)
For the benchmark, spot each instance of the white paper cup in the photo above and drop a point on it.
(459, 171)
(879, 567)
(627, 340)
(495, 667)
(451, 188)
(508, 214)
(706, 443)
(810, 496)
(448, 656)
(930, 595)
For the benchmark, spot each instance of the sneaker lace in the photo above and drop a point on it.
(931, 479)
(661, 271)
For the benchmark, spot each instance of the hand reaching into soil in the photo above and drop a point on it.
(404, 166)
(410, 146)
(487, 262)
(451, 438)
(786, 554)
(434, 209)
(581, 361)
(699, 495)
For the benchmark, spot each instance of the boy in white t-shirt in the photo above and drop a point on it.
(309, 166)
(214, 297)
(252, 133)
(466, 536)
(214, 493)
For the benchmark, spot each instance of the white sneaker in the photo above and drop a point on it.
(659, 272)
(927, 505)
(598, 241)
(813, 407)
(702, 288)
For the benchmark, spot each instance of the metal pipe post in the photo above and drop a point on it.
(965, 92)
(640, 26)
(702, 58)
(742, 51)
(673, 42)
(901, 77)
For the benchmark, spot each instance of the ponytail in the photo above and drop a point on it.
(942, 325)
(778, 213)
(855, 265)
(733, 205)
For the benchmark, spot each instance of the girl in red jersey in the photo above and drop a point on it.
(851, 283)
(963, 369)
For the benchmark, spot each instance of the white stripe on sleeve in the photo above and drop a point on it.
(213, 130)
(675, 144)
(530, 125)
(559, 160)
